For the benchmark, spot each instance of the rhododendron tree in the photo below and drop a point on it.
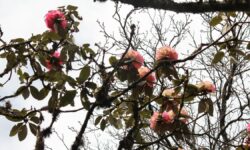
(134, 86)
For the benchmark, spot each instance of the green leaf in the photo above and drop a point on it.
(15, 129)
(22, 132)
(91, 85)
(70, 80)
(217, 57)
(71, 7)
(98, 119)
(51, 36)
(84, 74)
(68, 98)
(35, 119)
(202, 106)
(215, 20)
(103, 124)
(113, 61)
(248, 45)
(39, 95)
(33, 128)
(18, 40)
(206, 106)
(34, 92)
(26, 93)
(247, 57)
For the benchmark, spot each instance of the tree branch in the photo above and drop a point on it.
(188, 7)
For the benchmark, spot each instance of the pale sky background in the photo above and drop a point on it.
(22, 18)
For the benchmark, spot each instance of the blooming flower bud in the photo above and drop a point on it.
(55, 19)
(54, 62)
(150, 78)
(206, 86)
(166, 52)
(137, 59)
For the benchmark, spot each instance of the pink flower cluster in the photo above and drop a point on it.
(54, 62)
(137, 62)
(206, 86)
(137, 59)
(166, 52)
(55, 19)
(161, 122)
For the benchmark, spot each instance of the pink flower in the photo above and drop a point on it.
(54, 62)
(150, 78)
(206, 86)
(55, 19)
(166, 52)
(168, 116)
(137, 58)
(153, 121)
(248, 128)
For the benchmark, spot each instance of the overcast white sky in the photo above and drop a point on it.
(19, 18)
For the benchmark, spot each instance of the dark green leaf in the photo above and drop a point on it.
(35, 119)
(18, 40)
(217, 57)
(68, 98)
(34, 92)
(39, 95)
(26, 93)
(71, 7)
(22, 132)
(113, 61)
(103, 124)
(15, 129)
(91, 85)
(206, 106)
(33, 128)
(84, 74)
(98, 119)
(202, 106)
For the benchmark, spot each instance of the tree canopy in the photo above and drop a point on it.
(140, 85)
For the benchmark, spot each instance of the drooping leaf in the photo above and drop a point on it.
(33, 128)
(218, 57)
(98, 119)
(15, 129)
(84, 74)
(26, 93)
(206, 106)
(22, 132)
(103, 124)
